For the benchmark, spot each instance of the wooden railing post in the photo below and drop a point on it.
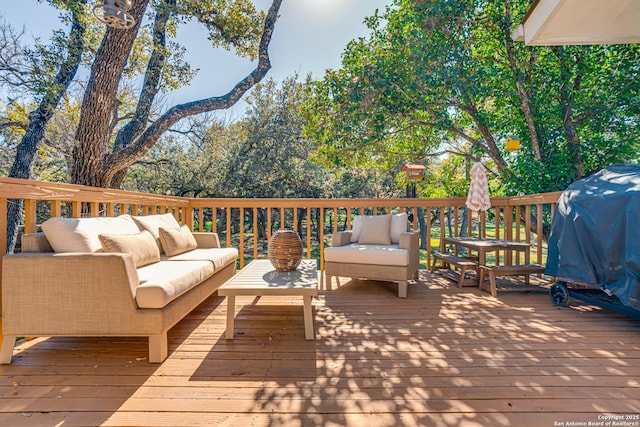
(30, 216)
(241, 245)
(3, 245)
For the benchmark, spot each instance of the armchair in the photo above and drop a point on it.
(377, 248)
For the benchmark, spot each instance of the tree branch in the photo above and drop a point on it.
(129, 154)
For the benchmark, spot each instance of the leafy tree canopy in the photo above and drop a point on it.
(440, 76)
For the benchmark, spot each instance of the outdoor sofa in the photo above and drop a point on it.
(378, 247)
(109, 276)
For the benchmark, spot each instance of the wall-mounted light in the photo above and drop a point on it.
(115, 13)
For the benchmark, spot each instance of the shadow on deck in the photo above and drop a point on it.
(443, 357)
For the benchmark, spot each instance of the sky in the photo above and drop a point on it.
(309, 37)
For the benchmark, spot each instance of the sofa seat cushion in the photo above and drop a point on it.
(367, 254)
(164, 281)
(220, 257)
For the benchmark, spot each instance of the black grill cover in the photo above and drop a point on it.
(595, 233)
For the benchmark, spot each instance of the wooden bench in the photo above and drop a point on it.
(449, 260)
(505, 270)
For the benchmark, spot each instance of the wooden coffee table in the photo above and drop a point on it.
(259, 278)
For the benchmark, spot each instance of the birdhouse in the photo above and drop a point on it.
(512, 143)
(414, 171)
(114, 13)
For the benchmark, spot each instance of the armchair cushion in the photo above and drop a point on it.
(142, 246)
(176, 241)
(370, 255)
(398, 226)
(376, 230)
(356, 228)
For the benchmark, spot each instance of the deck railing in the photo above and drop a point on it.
(249, 223)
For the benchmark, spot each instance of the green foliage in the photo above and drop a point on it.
(230, 23)
(273, 159)
(263, 154)
(435, 76)
(192, 167)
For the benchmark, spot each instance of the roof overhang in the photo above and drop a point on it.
(572, 22)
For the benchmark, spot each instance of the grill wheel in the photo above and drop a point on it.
(559, 294)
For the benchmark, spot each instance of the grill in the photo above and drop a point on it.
(594, 245)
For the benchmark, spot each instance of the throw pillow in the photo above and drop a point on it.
(376, 230)
(176, 241)
(398, 226)
(152, 224)
(356, 228)
(81, 234)
(142, 246)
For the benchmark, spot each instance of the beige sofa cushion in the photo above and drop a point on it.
(152, 224)
(368, 254)
(376, 230)
(175, 241)
(398, 226)
(220, 257)
(356, 228)
(164, 281)
(81, 234)
(142, 246)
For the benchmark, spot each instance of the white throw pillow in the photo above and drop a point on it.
(398, 226)
(81, 234)
(376, 230)
(356, 228)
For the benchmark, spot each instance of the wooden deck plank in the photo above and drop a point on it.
(83, 419)
(444, 356)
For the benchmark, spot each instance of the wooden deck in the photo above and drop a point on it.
(443, 357)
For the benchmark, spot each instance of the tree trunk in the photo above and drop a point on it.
(39, 118)
(493, 150)
(567, 88)
(93, 164)
(150, 87)
(422, 224)
(522, 92)
(99, 103)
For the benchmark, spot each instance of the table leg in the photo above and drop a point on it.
(308, 318)
(231, 311)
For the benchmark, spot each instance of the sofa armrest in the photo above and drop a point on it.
(341, 238)
(45, 293)
(411, 242)
(207, 240)
(35, 242)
